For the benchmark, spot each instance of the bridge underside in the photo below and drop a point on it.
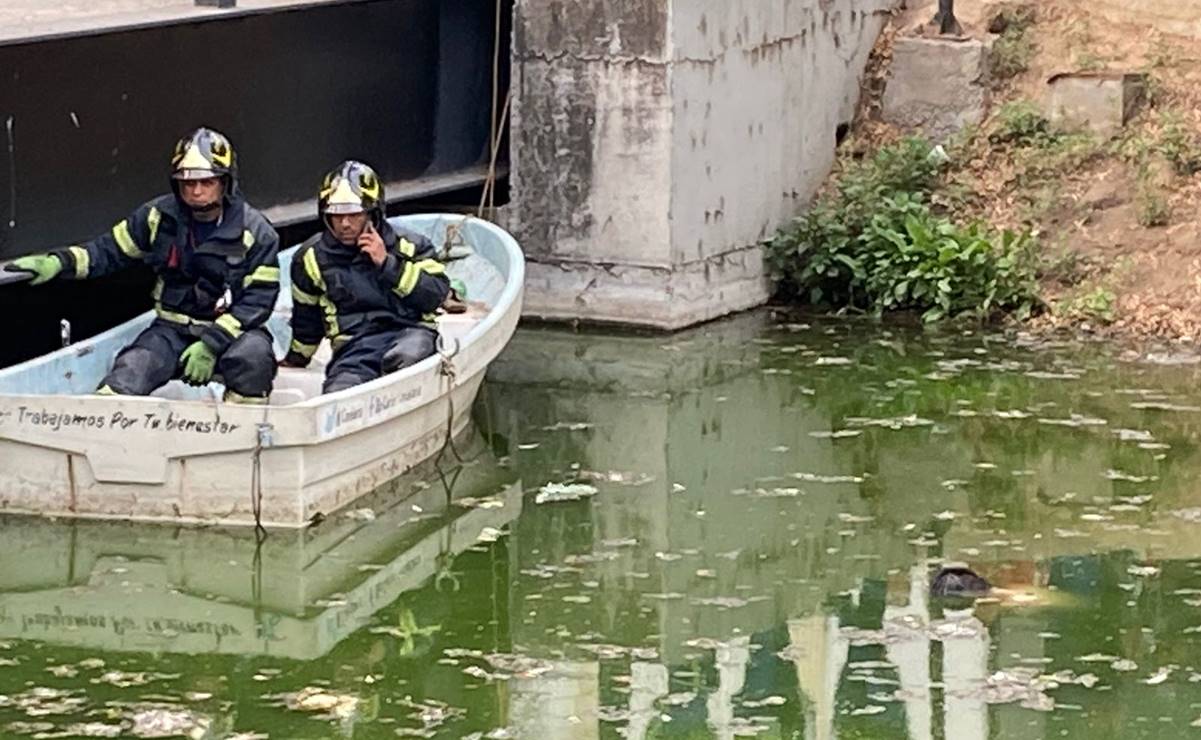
(91, 104)
(89, 118)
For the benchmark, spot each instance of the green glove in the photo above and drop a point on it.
(45, 267)
(198, 363)
(459, 287)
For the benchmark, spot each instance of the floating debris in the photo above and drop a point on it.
(589, 558)
(87, 729)
(568, 426)
(837, 434)
(162, 721)
(1044, 375)
(489, 535)
(1163, 406)
(900, 422)
(43, 701)
(1158, 677)
(322, 701)
(831, 479)
(63, 671)
(557, 492)
(620, 542)
(617, 477)
(848, 518)
(1118, 475)
(488, 502)
(431, 714)
(770, 701)
(361, 515)
(727, 602)
(778, 492)
(679, 699)
(1075, 420)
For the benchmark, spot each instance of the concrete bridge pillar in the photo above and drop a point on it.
(656, 143)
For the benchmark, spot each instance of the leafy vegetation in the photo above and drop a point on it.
(1013, 49)
(1153, 207)
(875, 243)
(1021, 123)
(1179, 145)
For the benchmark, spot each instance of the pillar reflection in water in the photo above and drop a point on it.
(911, 656)
(724, 508)
(820, 653)
(964, 672)
(562, 703)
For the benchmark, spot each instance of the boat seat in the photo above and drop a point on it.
(297, 385)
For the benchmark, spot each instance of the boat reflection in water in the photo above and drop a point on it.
(305, 620)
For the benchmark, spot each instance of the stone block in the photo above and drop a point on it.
(1098, 102)
(937, 86)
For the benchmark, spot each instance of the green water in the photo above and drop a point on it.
(760, 507)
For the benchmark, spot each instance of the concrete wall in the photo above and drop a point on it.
(657, 142)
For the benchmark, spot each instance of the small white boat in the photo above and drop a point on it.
(182, 456)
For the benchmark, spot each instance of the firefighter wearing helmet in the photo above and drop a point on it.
(217, 268)
(370, 288)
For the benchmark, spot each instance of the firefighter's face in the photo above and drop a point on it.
(346, 227)
(199, 194)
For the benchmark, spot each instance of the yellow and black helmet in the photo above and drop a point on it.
(351, 187)
(204, 153)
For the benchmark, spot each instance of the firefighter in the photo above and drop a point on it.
(216, 259)
(370, 289)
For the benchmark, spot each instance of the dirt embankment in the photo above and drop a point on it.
(1117, 219)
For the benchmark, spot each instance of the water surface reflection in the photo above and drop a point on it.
(723, 533)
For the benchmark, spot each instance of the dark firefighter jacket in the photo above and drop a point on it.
(338, 292)
(241, 256)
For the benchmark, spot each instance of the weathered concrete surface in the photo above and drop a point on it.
(937, 86)
(1098, 103)
(656, 142)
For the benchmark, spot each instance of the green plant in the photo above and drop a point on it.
(1155, 91)
(1153, 208)
(1163, 54)
(1021, 122)
(1098, 304)
(1011, 53)
(1090, 60)
(875, 244)
(1180, 146)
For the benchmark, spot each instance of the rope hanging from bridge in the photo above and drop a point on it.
(488, 197)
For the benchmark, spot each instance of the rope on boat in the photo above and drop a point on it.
(447, 370)
(262, 439)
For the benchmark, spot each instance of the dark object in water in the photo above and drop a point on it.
(959, 582)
